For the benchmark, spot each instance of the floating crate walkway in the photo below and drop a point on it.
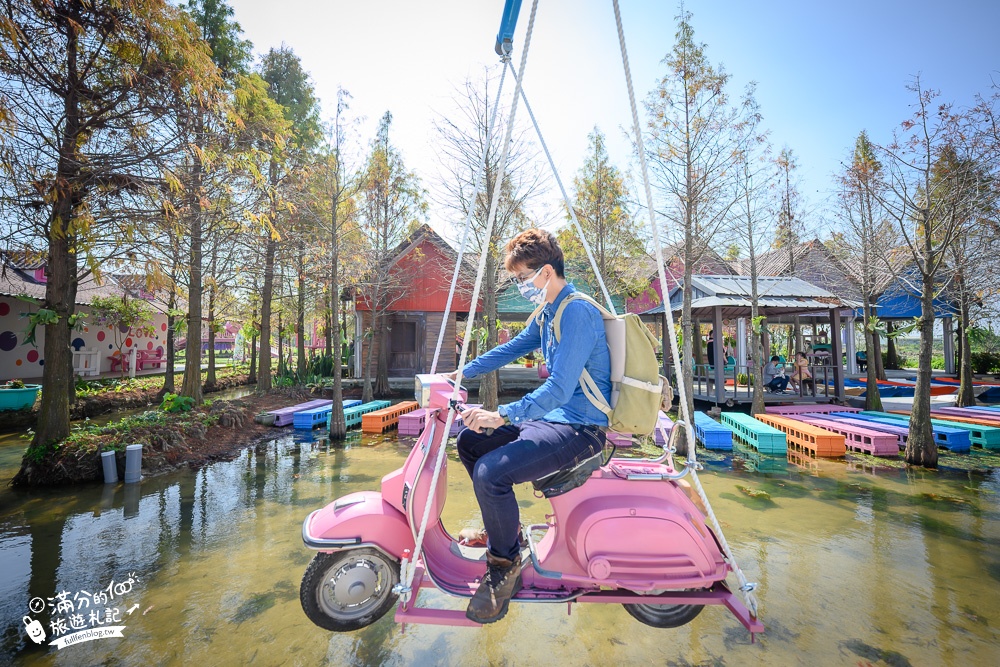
(898, 430)
(413, 423)
(313, 417)
(352, 416)
(952, 439)
(989, 409)
(712, 434)
(807, 408)
(938, 414)
(815, 440)
(382, 420)
(763, 437)
(987, 437)
(857, 438)
(286, 416)
(975, 416)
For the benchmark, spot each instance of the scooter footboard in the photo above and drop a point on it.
(356, 520)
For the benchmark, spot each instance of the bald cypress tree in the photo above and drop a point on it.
(88, 90)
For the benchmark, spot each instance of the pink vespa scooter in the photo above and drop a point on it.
(622, 533)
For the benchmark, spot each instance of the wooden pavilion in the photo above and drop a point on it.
(721, 298)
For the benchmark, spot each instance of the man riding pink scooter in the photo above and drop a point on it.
(552, 428)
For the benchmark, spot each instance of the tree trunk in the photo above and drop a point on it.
(300, 323)
(756, 360)
(253, 359)
(489, 383)
(687, 358)
(191, 384)
(60, 296)
(281, 348)
(331, 317)
(210, 379)
(264, 374)
(921, 448)
(171, 353)
(891, 356)
(60, 288)
(879, 363)
(958, 353)
(873, 398)
(382, 388)
(338, 425)
(966, 396)
(366, 382)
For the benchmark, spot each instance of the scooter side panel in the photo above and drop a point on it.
(364, 516)
(637, 535)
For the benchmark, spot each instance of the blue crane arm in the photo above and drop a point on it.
(505, 38)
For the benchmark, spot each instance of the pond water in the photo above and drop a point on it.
(857, 564)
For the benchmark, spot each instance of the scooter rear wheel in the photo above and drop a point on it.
(664, 615)
(348, 590)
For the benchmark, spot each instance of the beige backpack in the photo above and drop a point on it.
(637, 388)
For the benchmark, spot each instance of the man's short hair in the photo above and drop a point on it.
(534, 248)
(775, 358)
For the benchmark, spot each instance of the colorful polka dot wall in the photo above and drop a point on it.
(26, 361)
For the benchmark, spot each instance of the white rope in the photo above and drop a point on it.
(407, 577)
(468, 221)
(567, 200)
(745, 587)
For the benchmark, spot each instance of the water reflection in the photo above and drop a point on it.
(857, 562)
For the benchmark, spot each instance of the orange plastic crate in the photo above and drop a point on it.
(813, 439)
(384, 419)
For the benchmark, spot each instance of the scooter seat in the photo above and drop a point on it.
(568, 479)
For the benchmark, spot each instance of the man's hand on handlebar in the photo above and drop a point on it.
(478, 419)
(451, 377)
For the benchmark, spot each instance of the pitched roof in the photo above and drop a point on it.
(426, 233)
(19, 281)
(813, 261)
(777, 295)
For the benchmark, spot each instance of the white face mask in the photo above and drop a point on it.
(528, 290)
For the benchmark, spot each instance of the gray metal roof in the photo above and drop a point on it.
(775, 296)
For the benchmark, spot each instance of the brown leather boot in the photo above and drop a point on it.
(501, 582)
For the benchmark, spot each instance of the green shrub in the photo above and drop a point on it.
(322, 365)
(904, 361)
(985, 362)
(175, 403)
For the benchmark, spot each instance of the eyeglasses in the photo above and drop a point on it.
(525, 281)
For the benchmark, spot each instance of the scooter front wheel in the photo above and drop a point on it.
(348, 590)
(664, 615)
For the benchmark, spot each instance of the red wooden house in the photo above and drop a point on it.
(422, 267)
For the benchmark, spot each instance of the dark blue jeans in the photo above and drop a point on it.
(778, 383)
(516, 454)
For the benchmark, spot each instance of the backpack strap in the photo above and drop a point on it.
(536, 314)
(587, 383)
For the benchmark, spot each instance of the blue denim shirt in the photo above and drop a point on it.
(583, 345)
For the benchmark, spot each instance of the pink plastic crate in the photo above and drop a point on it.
(412, 423)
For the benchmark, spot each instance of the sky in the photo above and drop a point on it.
(824, 70)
